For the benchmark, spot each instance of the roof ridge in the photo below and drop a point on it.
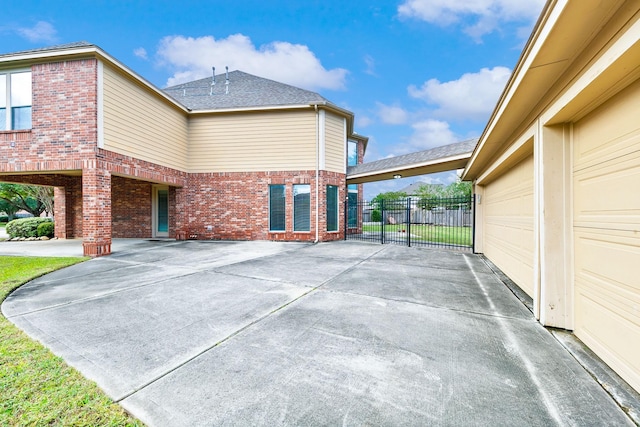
(244, 90)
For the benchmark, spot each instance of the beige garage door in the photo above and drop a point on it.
(508, 223)
(607, 232)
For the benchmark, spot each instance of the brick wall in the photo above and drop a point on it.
(130, 208)
(64, 120)
(235, 206)
(103, 202)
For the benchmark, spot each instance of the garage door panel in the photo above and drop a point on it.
(610, 258)
(606, 203)
(508, 223)
(607, 195)
(610, 132)
(612, 337)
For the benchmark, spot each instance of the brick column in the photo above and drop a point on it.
(60, 212)
(96, 212)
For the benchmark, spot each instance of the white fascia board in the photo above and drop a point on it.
(522, 67)
(30, 56)
(247, 109)
(140, 79)
(90, 51)
(523, 139)
(412, 166)
(607, 60)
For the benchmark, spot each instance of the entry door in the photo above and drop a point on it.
(161, 212)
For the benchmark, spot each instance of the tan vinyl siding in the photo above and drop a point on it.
(252, 142)
(508, 224)
(607, 232)
(335, 143)
(140, 124)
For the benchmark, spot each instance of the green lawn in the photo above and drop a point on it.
(36, 387)
(427, 233)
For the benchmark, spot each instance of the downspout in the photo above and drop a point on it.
(317, 173)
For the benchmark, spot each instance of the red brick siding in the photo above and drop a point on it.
(113, 197)
(96, 212)
(236, 205)
(130, 208)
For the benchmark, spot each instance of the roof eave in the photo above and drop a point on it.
(471, 170)
(88, 51)
(251, 108)
(457, 161)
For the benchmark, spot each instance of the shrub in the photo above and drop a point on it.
(4, 218)
(46, 229)
(25, 227)
(376, 216)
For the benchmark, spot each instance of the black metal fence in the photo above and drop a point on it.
(437, 222)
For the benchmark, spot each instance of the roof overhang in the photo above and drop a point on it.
(90, 51)
(438, 159)
(564, 31)
(416, 169)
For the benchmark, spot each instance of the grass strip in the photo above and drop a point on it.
(427, 233)
(38, 388)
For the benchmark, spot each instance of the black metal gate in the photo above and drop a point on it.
(437, 222)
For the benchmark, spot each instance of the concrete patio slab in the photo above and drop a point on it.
(263, 333)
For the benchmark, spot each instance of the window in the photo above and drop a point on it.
(15, 101)
(352, 153)
(301, 207)
(277, 205)
(332, 208)
(352, 197)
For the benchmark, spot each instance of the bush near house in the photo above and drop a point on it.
(25, 227)
(46, 229)
(376, 216)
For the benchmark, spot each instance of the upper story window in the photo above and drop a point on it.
(15, 100)
(352, 153)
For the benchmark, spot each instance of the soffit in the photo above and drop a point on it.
(564, 31)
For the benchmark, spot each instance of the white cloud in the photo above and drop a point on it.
(392, 114)
(371, 65)
(477, 17)
(41, 32)
(431, 133)
(427, 134)
(472, 97)
(362, 121)
(140, 53)
(192, 58)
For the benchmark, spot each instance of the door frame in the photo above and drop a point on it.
(155, 211)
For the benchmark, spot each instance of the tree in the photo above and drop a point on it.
(31, 198)
(8, 208)
(389, 196)
(428, 195)
(44, 195)
(459, 189)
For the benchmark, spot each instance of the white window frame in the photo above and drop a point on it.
(8, 105)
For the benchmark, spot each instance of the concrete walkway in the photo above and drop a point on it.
(265, 333)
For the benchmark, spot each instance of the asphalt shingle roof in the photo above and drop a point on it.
(51, 48)
(245, 90)
(415, 158)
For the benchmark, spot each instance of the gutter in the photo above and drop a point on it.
(317, 173)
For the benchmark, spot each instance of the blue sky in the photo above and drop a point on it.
(416, 73)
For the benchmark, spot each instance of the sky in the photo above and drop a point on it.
(416, 73)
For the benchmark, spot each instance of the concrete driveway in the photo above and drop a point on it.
(265, 333)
